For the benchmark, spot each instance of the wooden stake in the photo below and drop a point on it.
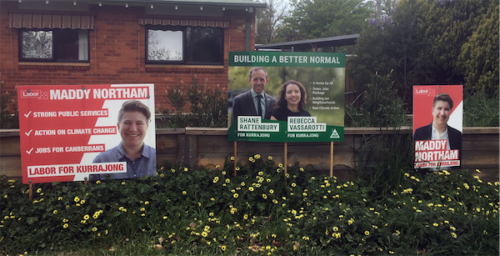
(331, 160)
(30, 190)
(85, 181)
(286, 157)
(235, 156)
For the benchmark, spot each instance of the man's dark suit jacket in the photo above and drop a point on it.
(454, 137)
(243, 105)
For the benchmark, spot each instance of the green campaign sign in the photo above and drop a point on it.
(286, 96)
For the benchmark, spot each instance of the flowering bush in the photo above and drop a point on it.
(260, 211)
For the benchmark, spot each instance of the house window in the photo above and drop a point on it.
(185, 45)
(54, 45)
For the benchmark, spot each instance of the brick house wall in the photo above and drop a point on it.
(116, 53)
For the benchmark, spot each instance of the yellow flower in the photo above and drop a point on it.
(65, 220)
(216, 179)
(270, 157)
(335, 229)
(251, 159)
(98, 182)
(165, 217)
(77, 199)
(271, 191)
(228, 181)
(257, 156)
(453, 235)
(293, 184)
(82, 202)
(204, 234)
(39, 190)
(250, 188)
(54, 212)
(435, 224)
(223, 247)
(280, 165)
(235, 195)
(185, 169)
(264, 196)
(237, 168)
(184, 192)
(86, 217)
(65, 226)
(367, 233)
(243, 184)
(147, 202)
(172, 170)
(94, 229)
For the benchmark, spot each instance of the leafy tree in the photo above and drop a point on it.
(449, 24)
(394, 45)
(8, 119)
(478, 59)
(421, 42)
(325, 18)
(270, 21)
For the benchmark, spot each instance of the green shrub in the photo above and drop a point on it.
(195, 105)
(8, 120)
(480, 110)
(380, 106)
(259, 211)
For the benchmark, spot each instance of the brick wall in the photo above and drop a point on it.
(116, 53)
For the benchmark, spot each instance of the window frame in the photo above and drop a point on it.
(54, 58)
(184, 48)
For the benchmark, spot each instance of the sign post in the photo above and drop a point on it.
(286, 97)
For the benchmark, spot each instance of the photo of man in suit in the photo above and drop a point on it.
(254, 102)
(439, 128)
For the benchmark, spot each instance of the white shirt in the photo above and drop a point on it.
(444, 136)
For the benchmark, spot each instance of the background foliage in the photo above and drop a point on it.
(195, 105)
(8, 119)
(431, 42)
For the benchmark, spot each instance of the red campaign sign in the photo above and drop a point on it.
(63, 128)
(437, 125)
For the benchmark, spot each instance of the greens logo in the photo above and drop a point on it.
(335, 134)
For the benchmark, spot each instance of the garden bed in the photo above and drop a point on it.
(260, 211)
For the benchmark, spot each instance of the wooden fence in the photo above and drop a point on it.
(209, 147)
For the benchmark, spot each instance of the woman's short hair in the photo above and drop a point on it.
(282, 101)
(133, 106)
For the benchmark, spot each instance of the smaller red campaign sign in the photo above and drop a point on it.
(437, 125)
